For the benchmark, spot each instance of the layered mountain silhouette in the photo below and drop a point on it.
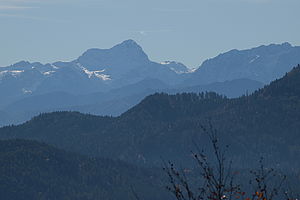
(265, 123)
(110, 81)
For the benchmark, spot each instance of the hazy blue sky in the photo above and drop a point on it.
(189, 31)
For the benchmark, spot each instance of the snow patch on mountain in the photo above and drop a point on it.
(49, 72)
(177, 67)
(192, 70)
(54, 66)
(254, 59)
(14, 73)
(104, 77)
(98, 73)
(25, 91)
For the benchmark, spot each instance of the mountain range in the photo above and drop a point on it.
(110, 81)
(163, 126)
(263, 64)
(159, 112)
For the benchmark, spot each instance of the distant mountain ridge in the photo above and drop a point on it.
(263, 64)
(110, 81)
(96, 70)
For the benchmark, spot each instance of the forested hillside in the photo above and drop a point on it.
(265, 123)
(31, 170)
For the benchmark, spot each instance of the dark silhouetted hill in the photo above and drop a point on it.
(31, 170)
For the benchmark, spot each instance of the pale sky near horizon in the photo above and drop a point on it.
(188, 31)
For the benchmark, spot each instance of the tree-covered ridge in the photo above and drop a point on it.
(284, 87)
(31, 170)
(164, 107)
(265, 123)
